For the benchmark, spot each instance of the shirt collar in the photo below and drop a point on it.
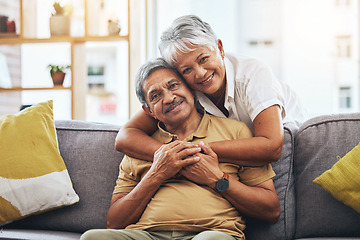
(230, 76)
(201, 132)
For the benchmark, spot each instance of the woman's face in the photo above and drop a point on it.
(204, 69)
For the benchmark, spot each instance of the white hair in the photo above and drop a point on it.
(185, 34)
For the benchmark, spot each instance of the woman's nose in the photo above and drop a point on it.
(200, 72)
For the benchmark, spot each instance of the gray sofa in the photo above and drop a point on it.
(307, 211)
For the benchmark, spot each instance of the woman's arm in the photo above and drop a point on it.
(134, 139)
(265, 147)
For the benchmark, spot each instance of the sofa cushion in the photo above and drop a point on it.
(33, 176)
(343, 179)
(37, 234)
(93, 164)
(317, 144)
(284, 185)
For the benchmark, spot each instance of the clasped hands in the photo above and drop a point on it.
(198, 163)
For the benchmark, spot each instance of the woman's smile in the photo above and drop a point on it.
(208, 80)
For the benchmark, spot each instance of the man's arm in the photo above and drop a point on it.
(126, 208)
(258, 201)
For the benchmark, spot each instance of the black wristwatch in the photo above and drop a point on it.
(223, 184)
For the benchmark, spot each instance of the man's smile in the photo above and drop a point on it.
(173, 105)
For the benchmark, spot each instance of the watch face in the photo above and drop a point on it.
(222, 185)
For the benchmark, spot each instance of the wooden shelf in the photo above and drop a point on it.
(15, 39)
(34, 88)
(9, 35)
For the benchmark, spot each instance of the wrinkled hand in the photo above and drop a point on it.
(206, 171)
(170, 158)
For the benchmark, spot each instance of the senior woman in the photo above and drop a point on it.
(225, 85)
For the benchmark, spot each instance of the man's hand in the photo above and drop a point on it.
(206, 171)
(170, 158)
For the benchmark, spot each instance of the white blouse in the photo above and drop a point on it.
(252, 87)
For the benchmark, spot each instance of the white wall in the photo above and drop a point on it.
(303, 49)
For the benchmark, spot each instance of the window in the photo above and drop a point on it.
(342, 2)
(343, 46)
(260, 43)
(345, 97)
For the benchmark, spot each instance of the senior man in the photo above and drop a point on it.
(185, 193)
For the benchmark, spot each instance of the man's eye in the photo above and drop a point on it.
(173, 85)
(154, 97)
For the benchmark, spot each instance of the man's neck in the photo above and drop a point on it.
(187, 127)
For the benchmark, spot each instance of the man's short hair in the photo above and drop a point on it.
(144, 72)
(185, 34)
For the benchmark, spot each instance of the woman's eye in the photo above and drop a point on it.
(185, 71)
(203, 59)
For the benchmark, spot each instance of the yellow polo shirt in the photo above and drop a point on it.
(182, 205)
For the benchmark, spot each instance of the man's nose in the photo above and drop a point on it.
(168, 97)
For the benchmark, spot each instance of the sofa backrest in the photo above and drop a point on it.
(93, 164)
(284, 185)
(318, 143)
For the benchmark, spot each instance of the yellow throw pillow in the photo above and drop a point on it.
(343, 179)
(33, 175)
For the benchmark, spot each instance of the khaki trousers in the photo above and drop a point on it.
(123, 234)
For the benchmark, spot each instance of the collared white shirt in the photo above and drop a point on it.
(251, 88)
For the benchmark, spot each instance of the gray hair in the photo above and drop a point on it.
(145, 71)
(185, 34)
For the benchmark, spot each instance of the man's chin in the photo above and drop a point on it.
(175, 117)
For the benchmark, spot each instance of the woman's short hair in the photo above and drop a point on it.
(144, 72)
(184, 35)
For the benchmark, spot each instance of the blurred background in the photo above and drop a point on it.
(312, 45)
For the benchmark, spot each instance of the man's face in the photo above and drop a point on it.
(169, 99)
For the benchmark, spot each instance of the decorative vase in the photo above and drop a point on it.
(60, 25)
(58, 78)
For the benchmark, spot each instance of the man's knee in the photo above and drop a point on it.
(213, 235)
(93, 234)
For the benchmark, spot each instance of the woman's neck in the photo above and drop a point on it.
(219, 99)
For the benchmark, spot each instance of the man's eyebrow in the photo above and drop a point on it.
(172, 81)
(153, 91)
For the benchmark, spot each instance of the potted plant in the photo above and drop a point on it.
(57, 73)
(60, 20)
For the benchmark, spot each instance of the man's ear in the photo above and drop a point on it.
(148, 111)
